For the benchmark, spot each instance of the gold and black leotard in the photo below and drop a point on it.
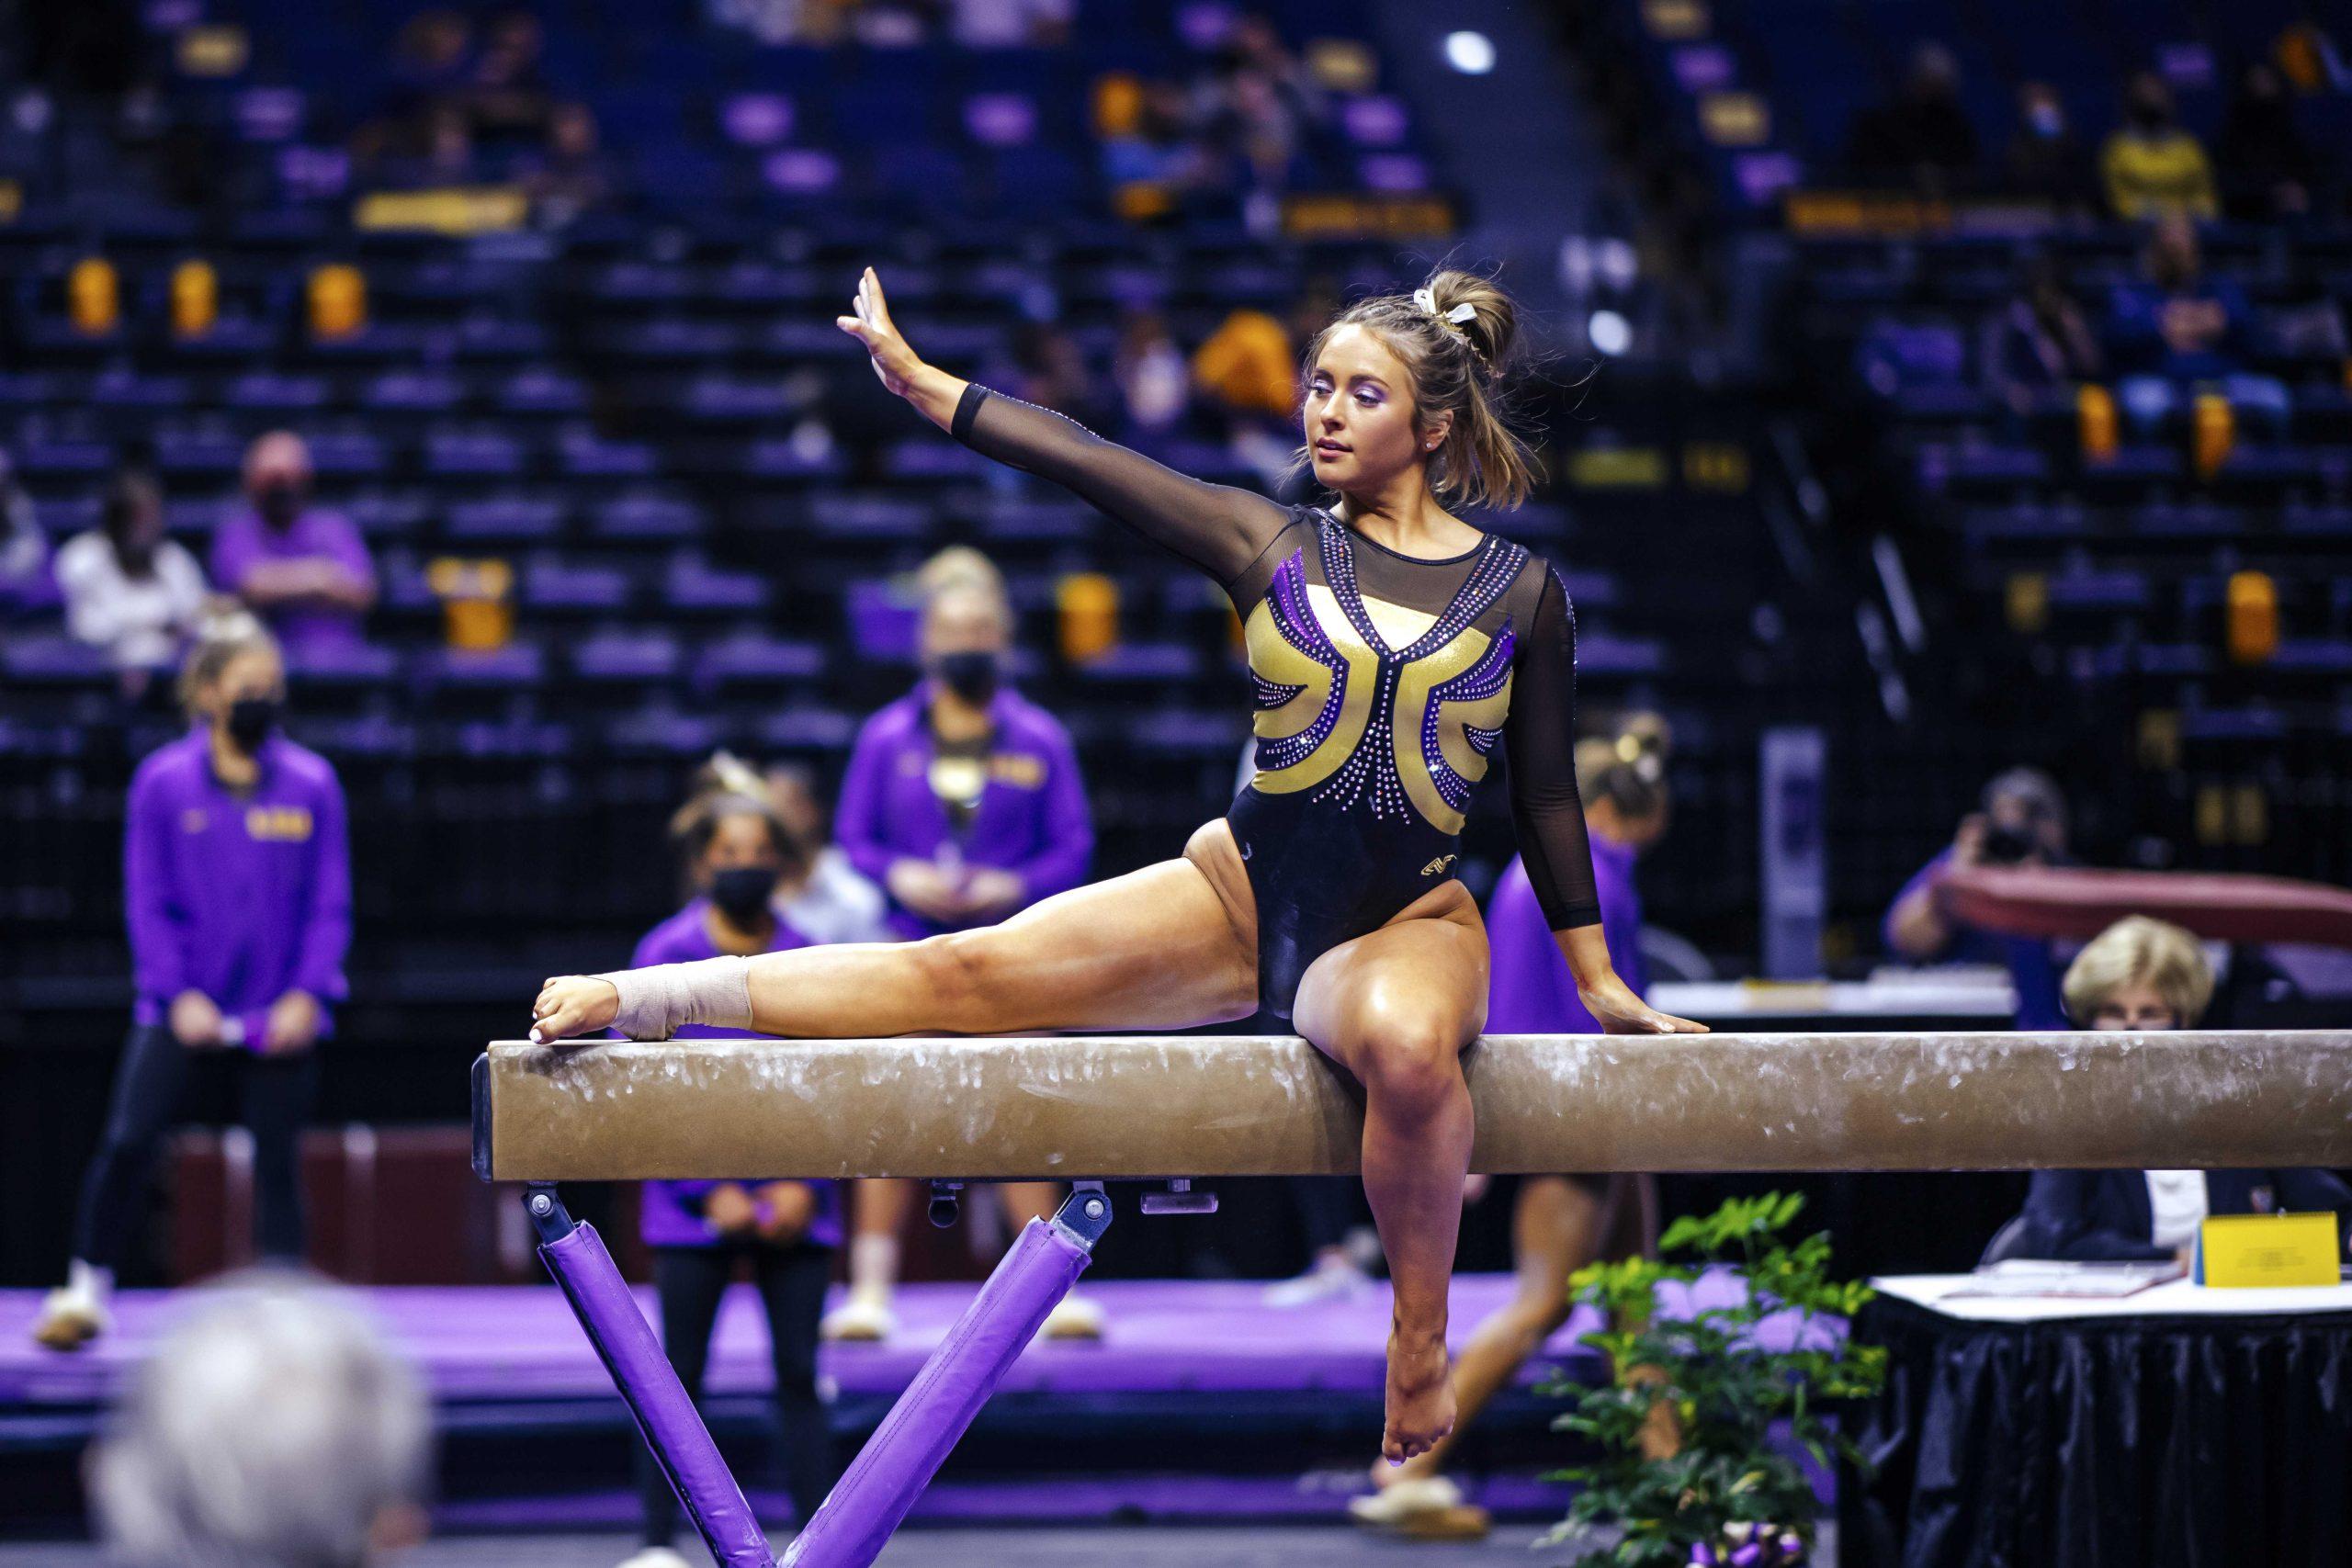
(1383, 684)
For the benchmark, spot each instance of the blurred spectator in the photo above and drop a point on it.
(302, 568)
(2045, 159)
(828, 898)
(128, 589)
(1049, 370)
(2038, 343)
(1150, 161)
(2151, 165)
(1251, 116)
(429, 60)
(1155, 389)
(1012, 24)
(508, 103)
(25, 580)
(272, 1426)
(1246, 366)
(2179, 328)
(2265, 165)
(1921, 138)
(2140, 975)
(2023, 822)
(570, 179)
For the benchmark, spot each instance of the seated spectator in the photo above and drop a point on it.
(2038, 343)
(1922, 138)
(2151, 168)
(508, 103)
(2045, 159)
(272, 1427)
(570, 178)
(303, 569)
(2023, 822)
(2267, 167)
(1012, 24)
(1155, 392)
(2179, 329)
(25, 581)
(128, 589)
(2138, 974)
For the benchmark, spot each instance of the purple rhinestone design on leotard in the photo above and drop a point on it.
(1293, 619)
(1481, 681)
(1370, 775)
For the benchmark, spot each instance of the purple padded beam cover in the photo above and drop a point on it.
(667, 1417)
(911, 1443)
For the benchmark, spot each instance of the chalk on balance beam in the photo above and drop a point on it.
(1230, 1105)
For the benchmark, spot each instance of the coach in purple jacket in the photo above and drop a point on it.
(237, 882)
(963, 799)
(739, 854)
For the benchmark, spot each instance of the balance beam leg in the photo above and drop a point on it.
(682, 1445)
(913, 1440)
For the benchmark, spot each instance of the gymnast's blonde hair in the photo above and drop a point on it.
(2139, 951)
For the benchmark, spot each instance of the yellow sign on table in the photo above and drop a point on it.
(2241, 1250)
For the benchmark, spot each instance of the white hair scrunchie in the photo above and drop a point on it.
(1465, 311)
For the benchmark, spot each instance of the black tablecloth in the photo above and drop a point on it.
(2220, 1441)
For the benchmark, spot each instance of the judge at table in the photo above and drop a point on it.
(2141, 975)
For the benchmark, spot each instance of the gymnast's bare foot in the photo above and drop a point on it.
(571, 1006)
(1421, 1394)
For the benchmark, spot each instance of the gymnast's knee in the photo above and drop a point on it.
(1411, 1062)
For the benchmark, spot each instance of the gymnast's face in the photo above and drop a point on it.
(1363, 427)
(2135, 1004)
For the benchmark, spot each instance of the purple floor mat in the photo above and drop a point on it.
(505, 1345)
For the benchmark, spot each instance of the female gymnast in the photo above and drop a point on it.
(1391, 646)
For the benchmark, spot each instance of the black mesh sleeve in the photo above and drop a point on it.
(1219, 528)
(1539, 737)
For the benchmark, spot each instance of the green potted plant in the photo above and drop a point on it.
(1733, 1340)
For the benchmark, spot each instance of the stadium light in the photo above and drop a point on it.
(1471, 53)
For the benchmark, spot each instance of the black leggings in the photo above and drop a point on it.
(274, 1095)
(792, 1281)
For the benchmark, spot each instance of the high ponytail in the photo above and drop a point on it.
(1458, 366)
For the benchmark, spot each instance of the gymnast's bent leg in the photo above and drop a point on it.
(1170, 945)
(1395, 1008)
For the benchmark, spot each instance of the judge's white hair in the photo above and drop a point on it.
(272, 1427)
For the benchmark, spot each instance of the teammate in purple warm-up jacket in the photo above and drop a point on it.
(237, 886)
(740, 857)
(963, 797)
(963, 800)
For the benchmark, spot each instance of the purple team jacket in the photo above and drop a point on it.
(1532, 990)
(245, 542)
(1032, 818)
(670, 1213)
(242, 898)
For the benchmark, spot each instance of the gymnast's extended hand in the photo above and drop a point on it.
(900, 369)
(572, 1006)
(1606, 995)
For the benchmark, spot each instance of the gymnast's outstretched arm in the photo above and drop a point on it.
(1219, 528)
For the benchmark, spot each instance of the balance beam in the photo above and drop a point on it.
(1082, 1106)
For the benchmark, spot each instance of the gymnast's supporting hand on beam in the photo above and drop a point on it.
(1391, 646)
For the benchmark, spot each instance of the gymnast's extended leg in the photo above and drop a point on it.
(1170, 945)
(1395, 1008)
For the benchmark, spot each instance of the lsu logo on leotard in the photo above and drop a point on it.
(1343, 714)
(277, 824)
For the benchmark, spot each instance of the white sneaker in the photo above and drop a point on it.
(1429, 1508)
(70, 1319)
(862, 1319)
(656, 1557)
(1334, 1279)
(1074, 1317)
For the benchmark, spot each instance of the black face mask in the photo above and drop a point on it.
(251, 720)
(279, 502)
(971, 676)
(740, 892)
